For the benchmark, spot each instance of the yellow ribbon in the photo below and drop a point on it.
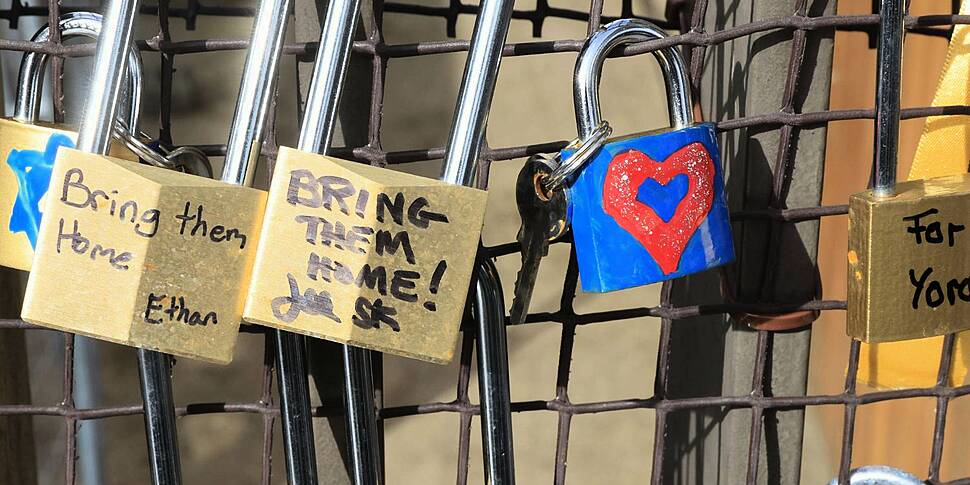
(944, 149)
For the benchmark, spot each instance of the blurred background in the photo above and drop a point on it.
(615, 360)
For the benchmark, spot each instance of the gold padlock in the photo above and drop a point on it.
(365, 256)
(172, 250)
(350, 252)
(143, 256)
(29, 148)
(909, 276)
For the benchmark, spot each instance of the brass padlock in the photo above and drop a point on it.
(365, 256)
(357, 254)
(909, 276)
(143, 256)
(28, 148)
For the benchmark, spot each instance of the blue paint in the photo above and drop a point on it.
(664, 198)
(33, 171)
(611, 258)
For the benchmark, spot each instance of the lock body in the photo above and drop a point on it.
(143, 256)
(28, 153)
(649, 208)
(908, 274)
(365, 256)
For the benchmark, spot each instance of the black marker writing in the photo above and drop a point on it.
(932, 232)
(422, 218)
(319, 229)
(310, 302)
(439, 272)
(177, 311)
(402, 281)
(217, 233)
(374, 279)
(417, 213)
(396, 208)
(315, 192)
(384, 242)
(76, 194)
(81, 245)
(932, 292)
(326, 269)
(372, 315)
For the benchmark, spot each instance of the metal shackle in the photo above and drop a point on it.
(33, 65)
(589, 67)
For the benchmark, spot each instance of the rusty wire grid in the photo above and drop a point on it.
(695, 40)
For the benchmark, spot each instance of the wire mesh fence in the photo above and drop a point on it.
(684, 15)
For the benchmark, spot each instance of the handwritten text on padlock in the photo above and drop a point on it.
(398, 218)
(928, 227)
(908, 272)
(143, 256)
(144, 221)
(365, 255)
(191, 222)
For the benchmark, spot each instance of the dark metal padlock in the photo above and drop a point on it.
(647, 207)
(28, 148)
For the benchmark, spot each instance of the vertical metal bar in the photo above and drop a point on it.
(90, 436)
(95, 136)
(493, 376)
(329, 69)
(888, 71)
(242, 151)
(320, 114)
(255, 92)
(109, 67)
(462, 166)
(362, 437)
(154, 371)
(298, 445)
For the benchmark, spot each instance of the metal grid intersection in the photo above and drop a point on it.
(697, 38)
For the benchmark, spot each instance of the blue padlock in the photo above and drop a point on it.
(647, 207)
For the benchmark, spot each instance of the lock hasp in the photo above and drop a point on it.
(365, 256)
(144, 256)
(908, 270)
(28, 153)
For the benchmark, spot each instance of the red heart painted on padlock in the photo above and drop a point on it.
(665, 241)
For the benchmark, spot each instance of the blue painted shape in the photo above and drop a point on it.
(33, 171)
(664, 198)
(610, 257)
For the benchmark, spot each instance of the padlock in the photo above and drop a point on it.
(907, 275)
(141, 255)
(365, 256)
(362, 255)
(647, 207)
(29, 148)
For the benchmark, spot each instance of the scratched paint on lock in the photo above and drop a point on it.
(33, 171)
(650, 208)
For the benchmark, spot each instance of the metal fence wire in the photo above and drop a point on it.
(685, 15)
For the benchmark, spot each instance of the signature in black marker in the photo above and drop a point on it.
(310, 302)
